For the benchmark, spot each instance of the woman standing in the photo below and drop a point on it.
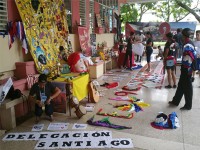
(169, 61)
(149, 50)
(129, 50)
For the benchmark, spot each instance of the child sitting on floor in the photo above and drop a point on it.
(160, 53)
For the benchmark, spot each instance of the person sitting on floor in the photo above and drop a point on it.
(42, 93)
(160, 53)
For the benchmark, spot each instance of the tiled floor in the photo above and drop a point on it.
(144, 137)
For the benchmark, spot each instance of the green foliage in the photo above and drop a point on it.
(171, 11)
(129, 13)
(134, 12)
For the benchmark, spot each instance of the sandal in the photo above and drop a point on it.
(37, 119)
(168, 86)
(51, 118)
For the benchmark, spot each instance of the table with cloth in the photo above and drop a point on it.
(76, 85)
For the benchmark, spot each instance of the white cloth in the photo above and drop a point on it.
(197, 48)
(138, 48)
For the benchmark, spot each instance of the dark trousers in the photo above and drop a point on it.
(184, 88)
(128, 54)
(48, 110)
(139, 58)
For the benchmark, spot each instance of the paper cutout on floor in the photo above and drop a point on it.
(58, 126)
(79, 126)
(38, 127)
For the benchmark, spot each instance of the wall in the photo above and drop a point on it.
(108, 37)
(13, 13)
(8, 56)
(75, 42)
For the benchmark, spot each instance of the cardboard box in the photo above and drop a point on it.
(25, 68)
(96, 70)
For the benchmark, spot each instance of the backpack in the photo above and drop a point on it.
(14, 93)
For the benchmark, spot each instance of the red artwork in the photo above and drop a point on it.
(84, 39)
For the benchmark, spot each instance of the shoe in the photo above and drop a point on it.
(192, 79)
(51, 118)
(148, 70)
(37, 119)
(185, 108)
(174, 86)
(171, 103)
(168, 87)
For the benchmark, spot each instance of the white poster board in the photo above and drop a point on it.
(4, 89)
(138, 48)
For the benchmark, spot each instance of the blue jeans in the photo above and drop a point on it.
(48, 110)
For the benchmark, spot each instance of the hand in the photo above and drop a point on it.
(39, 103)
(48, 101)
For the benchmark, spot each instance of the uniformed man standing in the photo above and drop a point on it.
(185, 83)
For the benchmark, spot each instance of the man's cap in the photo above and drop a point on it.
(42, 78)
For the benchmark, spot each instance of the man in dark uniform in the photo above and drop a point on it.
(42, 93)
(185, 83)
(129, 50)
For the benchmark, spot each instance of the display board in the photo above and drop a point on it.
(84, 39)
(158, 29)
(98, 20)
(46, 30)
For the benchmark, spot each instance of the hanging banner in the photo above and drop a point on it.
(84, 39)
(46, 30)
(98, 20)
(159, 29)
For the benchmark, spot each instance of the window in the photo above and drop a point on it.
(82, 5)
(3, 14)
(69, 14)
(92, 16)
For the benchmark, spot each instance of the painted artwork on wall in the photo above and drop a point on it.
(84, 39)
(46, 30)
(158, 29)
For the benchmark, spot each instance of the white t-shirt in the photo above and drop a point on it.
(197, 47)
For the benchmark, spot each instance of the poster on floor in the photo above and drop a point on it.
(79, 126)
(38, 127)
(58, 126)
(71, 139)
(89, 143)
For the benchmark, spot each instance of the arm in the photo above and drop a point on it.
(57, 91)
(33, 98)
(149, 44)
(165, 53)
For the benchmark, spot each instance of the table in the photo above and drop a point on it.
(96, 70)
(7, 111)
(77, 87)
(107, 62)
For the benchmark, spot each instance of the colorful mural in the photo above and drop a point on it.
(46, 30)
